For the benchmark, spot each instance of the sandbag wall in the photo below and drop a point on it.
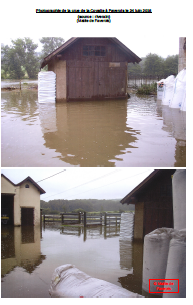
(176, 265)
(46, 87)
(164, 255)
(155, 255)
(172, 91)
(125, 240)
(168, 90)
(164, 258)
(179, 198)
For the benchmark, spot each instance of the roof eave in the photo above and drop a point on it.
(34, 183)
(126, 199)
(131, 56)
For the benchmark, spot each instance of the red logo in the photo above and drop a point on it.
(164, 285)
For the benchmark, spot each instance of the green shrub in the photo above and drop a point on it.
(147, 89)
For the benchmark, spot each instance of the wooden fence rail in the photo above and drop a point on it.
(106, 219)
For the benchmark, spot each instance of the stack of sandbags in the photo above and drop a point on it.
(160, 89)
(179, 91)
(168, 90)
(125, 240)
(46, 87)
(155, 255)
(179, 198)
(176, 265)
(70, 282)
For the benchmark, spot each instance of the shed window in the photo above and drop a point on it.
(27, 186)
(94, 51)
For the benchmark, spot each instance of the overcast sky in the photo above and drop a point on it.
(140, 47)
(81, 183)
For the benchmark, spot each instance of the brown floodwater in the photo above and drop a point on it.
(29, 256)
(134, 132)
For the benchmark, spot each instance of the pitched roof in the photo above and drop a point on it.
(25, 180)
(143, 184)
(133, 57)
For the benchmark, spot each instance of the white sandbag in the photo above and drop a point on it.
(179, 198)
(183, 106)
(125, 241)
(126, 226)
(160, 89)
(155, 255)
(70, 282)
(46, 87)
(176, 265)
(179, 90)
(168, 90)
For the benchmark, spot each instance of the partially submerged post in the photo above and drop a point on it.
(84, 219)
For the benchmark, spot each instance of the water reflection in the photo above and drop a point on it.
(20, 247)
(137, 132)
(89, 133)
(108, 253)
(92, 232)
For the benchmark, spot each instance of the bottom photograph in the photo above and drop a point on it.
(93, 233)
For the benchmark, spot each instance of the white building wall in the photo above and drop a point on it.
(30, 198)
(24, 197)
(7, 187)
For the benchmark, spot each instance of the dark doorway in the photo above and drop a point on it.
(27, 216)
(7, 209)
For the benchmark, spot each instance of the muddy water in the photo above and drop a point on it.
(134, 132)
(29, 256)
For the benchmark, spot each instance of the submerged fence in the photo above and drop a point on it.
(137, 80)
(86, 219)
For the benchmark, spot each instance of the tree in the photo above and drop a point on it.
(31, 60)
(171, 65)
(20, 58)
(154, 65)
(50, 44)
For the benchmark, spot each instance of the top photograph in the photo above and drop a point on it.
(93, 102)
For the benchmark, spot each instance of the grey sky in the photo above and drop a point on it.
(141, 48)
(82, 183)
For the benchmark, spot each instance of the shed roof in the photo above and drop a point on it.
(25, 180)
(132, 56)
(144, 184)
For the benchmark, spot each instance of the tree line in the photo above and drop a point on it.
(21, 60)
(57, 206)
(155, 65)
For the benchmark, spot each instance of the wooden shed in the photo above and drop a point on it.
(153, 202)
(90, 68)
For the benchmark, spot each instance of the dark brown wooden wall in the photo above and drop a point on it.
(93, 76)
(113, 52)
(92, 80)
(158, 203)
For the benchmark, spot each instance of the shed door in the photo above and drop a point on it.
(93, 79)
(79, 80)
(27, 216)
